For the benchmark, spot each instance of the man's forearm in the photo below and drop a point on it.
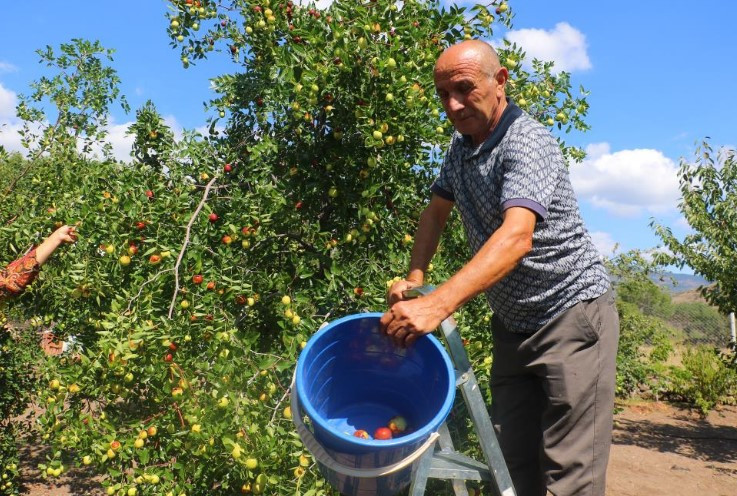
(497, 257)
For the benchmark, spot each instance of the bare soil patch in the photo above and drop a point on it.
(665, 450)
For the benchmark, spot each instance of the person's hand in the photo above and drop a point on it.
(395, 295)
(65, 234)
(408, 320)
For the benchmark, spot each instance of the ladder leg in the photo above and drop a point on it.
(422, 472)
(502, 481)
(477, 410)
(446, 444)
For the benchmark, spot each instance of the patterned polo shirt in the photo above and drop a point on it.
(520, 165)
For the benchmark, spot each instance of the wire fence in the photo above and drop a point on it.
(697, 324)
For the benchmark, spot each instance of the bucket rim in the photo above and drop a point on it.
(414, 437)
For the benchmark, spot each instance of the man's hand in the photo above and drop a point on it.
(394, 294)
(408, 320)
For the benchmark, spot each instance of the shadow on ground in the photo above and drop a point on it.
(74, 481)
(698, 439)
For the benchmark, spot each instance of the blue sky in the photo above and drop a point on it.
(661, 75)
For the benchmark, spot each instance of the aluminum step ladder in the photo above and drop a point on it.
(444, 462)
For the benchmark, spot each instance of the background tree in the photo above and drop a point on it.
(709, 204)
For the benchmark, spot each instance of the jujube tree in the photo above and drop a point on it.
(207, 262)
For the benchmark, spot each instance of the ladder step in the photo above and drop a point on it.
(452, 465)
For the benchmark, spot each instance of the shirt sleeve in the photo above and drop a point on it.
(19, 274)
(443, 185)
(532, 168)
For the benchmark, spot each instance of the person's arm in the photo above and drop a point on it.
(22, 272)
(431, 225)
(65, 234)
(407, 320)
(18, 274)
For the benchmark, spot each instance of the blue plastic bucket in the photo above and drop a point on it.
(350, 376)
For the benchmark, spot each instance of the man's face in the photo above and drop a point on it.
(470, 96)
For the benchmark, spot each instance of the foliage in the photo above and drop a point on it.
(635, 366)
(697, 320)
(8, 460)
(644, 339)
(17, 357)
(299, 210)
(650, 298)
(709, 204)
(704, 380)
(650, 325)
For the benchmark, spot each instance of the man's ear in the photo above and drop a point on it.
(502, 76)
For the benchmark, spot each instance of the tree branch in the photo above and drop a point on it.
(186, 242)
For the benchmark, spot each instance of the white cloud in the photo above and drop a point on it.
(7, 67)
(564, 45)
(604, 242)
(628, 182)
(9, 137)
(8, 101)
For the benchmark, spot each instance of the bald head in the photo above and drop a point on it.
(470, 83)
(478, 52)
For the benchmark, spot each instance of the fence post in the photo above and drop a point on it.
(733, 327)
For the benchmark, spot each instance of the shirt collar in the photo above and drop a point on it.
(510, 114)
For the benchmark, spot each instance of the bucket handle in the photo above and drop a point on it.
(322, 456)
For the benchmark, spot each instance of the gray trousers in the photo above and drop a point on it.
(553, 400)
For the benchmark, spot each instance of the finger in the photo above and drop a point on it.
(395, 329)
(399, 337)
(384, 322)
(394, 298)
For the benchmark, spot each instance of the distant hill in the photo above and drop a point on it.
(691, 296)
(676, 283)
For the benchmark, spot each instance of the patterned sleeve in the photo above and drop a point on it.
(19, 274)
(443, 186)
(532, 168)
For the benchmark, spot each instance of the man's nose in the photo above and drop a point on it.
(455, 104)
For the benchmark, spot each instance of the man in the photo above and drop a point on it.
(555, 326)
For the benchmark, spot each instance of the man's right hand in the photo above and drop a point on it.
(395, 295)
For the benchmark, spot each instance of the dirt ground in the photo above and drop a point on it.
(659, 450)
